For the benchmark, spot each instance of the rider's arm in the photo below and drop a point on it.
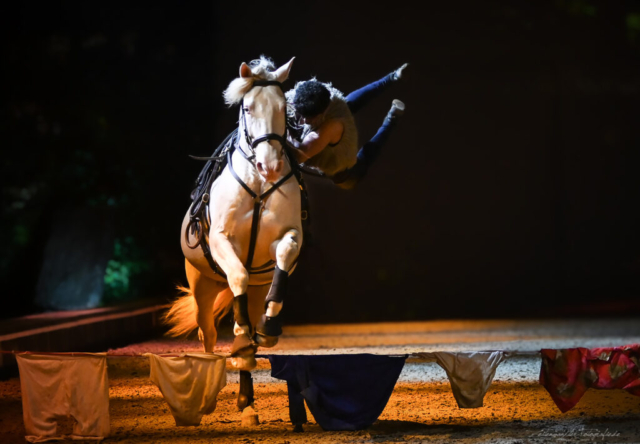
(315, 141)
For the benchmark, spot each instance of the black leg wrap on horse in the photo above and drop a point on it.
(245, 394)
(278, 287)
(242, 343)
(272, 326)
(241, 310)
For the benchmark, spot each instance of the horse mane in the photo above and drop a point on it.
(262, 69)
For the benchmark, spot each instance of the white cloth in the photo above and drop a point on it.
(57, 386)
(470, 374)
(189, 383)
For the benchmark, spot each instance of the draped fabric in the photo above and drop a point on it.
(55, 386)
(190, 384)
(568, 373)
(343, 392)
(470, 374)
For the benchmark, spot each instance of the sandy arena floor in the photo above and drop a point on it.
(421, 409)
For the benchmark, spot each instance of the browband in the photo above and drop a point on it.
(267, 83)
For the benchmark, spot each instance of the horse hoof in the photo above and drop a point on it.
(265, 341)
(269, 326)
(250, 417)
(243, 345)
(244, 362)
(243, 402)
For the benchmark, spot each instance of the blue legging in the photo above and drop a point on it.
(370, 150)
(360, 97)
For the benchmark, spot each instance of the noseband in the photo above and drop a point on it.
(253, 143)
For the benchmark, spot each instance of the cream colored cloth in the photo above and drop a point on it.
(57, 386)
(470, 374)
(190, 384)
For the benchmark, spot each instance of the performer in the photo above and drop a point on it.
(327, 140)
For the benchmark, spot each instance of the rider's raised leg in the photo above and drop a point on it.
(360, 97)
(286, 252)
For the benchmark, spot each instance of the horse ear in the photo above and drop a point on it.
(282, 73)
(245, 71)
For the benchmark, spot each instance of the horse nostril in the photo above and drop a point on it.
(260, 167)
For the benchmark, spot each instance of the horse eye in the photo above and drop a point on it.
(246, 109)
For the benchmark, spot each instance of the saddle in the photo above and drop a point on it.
(200, 222)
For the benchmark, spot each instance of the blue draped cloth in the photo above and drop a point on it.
(343, 392)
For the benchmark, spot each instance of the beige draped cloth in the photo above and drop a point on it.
(56, 386)
(189, 383)
(470, 373)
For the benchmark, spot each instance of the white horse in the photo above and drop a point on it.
(256, 192)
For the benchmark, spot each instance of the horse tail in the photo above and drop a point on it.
(182, 314)
(222, 305)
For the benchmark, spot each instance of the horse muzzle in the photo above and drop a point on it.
(270, 171)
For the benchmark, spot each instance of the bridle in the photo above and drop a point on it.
(200, 222)
(251, 142)
(259, 199)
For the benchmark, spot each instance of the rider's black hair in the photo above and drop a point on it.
(311, 98)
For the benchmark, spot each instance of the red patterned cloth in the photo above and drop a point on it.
(567, 374)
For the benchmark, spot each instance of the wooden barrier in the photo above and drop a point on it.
(84, 330)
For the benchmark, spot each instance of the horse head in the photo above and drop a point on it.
(262, 114)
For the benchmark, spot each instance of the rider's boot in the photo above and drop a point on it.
(397, 74)
(397, 110)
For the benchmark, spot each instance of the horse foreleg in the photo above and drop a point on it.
(286, 253)
(243, 348)
(270, 325)
(225, 255)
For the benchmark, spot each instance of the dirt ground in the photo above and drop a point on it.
(421, 409)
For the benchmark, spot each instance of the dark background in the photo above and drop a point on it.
(510, 188)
